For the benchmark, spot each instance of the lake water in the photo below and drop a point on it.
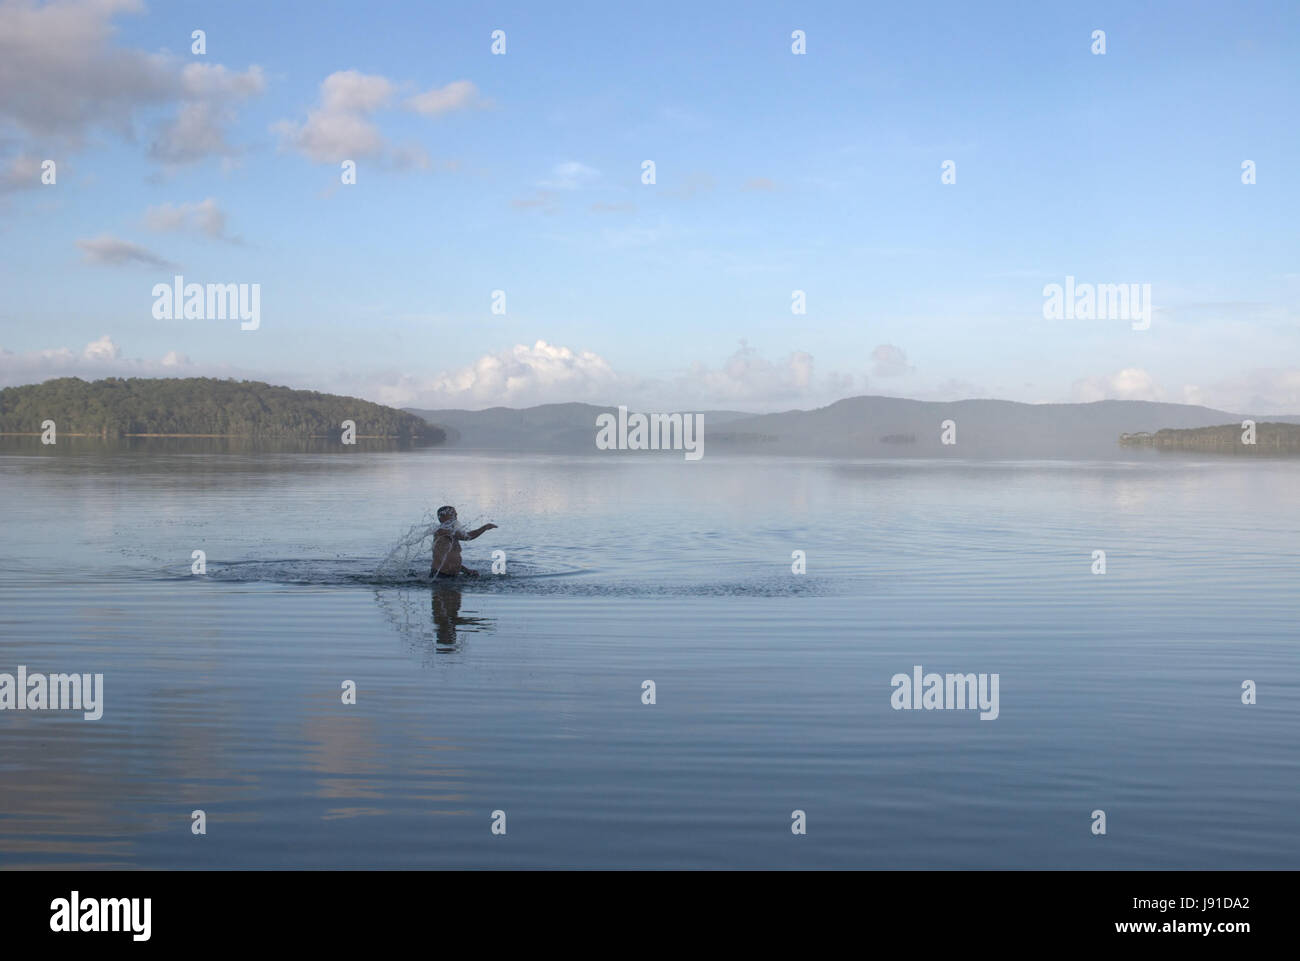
(522, 693)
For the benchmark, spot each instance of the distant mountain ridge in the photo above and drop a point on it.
(867, 426)
(547, 428)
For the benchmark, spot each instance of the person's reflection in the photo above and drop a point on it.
(446, 615)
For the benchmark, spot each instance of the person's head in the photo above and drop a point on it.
(446, 514)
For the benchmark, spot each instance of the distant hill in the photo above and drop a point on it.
(199, 406)
(548, 428)
(859, 427)
(1270, 439)
(871, 427)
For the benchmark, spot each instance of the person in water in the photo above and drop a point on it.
(446, 545)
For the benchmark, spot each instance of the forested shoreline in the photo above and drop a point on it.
(199, 407)
(1268, 437)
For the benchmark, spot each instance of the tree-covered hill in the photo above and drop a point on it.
(1270, 438)
(117, 407)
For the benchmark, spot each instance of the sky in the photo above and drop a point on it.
(774, 172)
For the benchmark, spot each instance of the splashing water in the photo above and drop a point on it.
(530, 571)
(416, 544)
(413, 552)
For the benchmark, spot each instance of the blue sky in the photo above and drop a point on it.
(774, 172)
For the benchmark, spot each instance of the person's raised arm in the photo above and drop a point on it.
(475, 533)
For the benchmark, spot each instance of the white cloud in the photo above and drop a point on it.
(457, 95)
(23, 172)
(194, 133)
(334, 137)
(570, 175)
(101, 351)
(342, 125)
(205, 217)
(99, 358)
(1261, 390)
(413, 157)
(340, 128)
(1131, 383)
(61, 74)
(351, 91)
(114, 251)
(889, 361)
(199, 129)
(518, 377)
(212, 81)
(747, 378)
(548, 373)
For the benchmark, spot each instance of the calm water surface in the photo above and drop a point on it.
(522, 693)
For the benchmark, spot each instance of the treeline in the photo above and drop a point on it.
(1270, 438)
(118, 407)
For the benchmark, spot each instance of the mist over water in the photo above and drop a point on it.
(521, 691)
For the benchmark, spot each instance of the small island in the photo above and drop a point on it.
(1270, 439)
(200, 407)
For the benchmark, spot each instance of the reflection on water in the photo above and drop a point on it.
(429, 618)
(446, 614)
